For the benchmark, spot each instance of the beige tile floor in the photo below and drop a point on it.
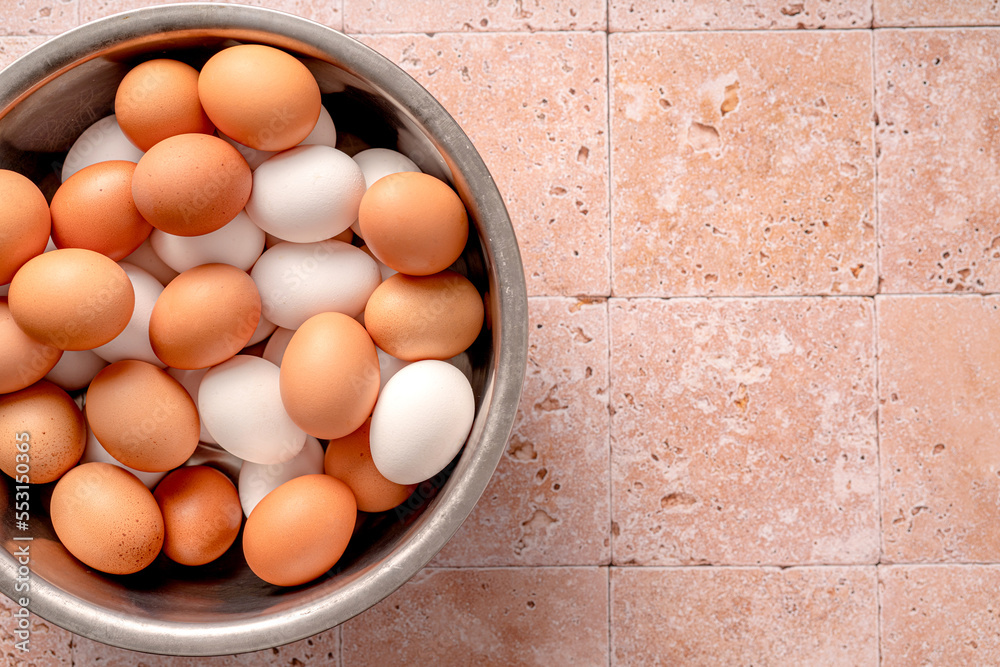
(761, 420)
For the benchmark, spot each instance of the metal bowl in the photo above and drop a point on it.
(47, 98)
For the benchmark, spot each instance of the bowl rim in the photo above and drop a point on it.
(506, 370)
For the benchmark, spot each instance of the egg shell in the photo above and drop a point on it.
(421, 421)
(142, 416)
(105, 517)
(376, 163)
(102, 141)
(413, 222)
(329, 376)
(159, 99)
(204, 316)
(239, 243)
(260, 96)
(75, 369)
(384, 270)
(388, 366)
(146, 259)
(306, 194)
(191, 381)
(25, 360)
(424, 317)
(299, 280)
(42, 428)
(324, 133)
(276, 345)
(191, 184)
(26, 222)
(94, 451)
(257, 479)
(71, 298)
(300, 530)
(201, 514)
(349, 459)
(133, 341)
(265, 328)
(240, 402)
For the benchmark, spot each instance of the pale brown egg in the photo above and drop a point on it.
(204, 316)
(142, 416)
(107, 518)
(201, 514)
(299, 530)
(25, 360)
(413, 223)
(260, 96)
(191, 184)
(349, 459)
(43, 433)
(159, 99)
(329, 376)
(93, 209)
(72, 298)
(26, 225)
(424, 317)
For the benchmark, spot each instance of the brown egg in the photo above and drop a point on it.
(204, 316)
(107, 518)
(24, 216)
(329, 376)
(349, 459)
(43, 433)
(159, 99)
(413, 223)
(424, 317)
(142, 416)
(201, 514)
(93, 209)
(72, 298)
(25, 360)
(299, 530)
(260, 96)
(191, 184)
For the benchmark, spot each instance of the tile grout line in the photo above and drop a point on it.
(875, 331)
(607, 314)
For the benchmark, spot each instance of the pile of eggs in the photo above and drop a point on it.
(214, 272)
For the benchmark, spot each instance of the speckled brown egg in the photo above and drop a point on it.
(191, 184)
(43, 432)
(24, 360)
(201, 514)
(299, 530)
(107, 518)
(349, 459)
(72, 298)
(142, 416)
(204, 316)
(24, 222)
(424, 317)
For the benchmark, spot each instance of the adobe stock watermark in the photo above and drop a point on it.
(22, 554)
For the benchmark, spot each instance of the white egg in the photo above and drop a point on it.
(191, 380)
(324, 133)
(104, 140)
(258, 480)
(306, 194)
(274, 351)
(75, 369)
(385, 271)
(238, 243)
(133, 341)
(94, 451)
(146, 259)
(388, 366)
(378, 162)
(299, 280)
(421, 420)
(240, 404)
(264, 329)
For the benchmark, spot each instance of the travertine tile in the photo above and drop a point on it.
(743, 431)
(321, 649)
(493, 15)
(47, 645)
(939, 162)
(534, 106)
(936, 12)
(737, 15)
(37, 17)
(939, 427)
(12, 48)
(742, 164)
(321, 11)
(510, 616)
(548, 502)
(744, 616)
(941, 615)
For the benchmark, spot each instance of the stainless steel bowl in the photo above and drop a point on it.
(47, 98)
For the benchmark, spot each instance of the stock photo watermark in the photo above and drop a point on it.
(22, 553)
